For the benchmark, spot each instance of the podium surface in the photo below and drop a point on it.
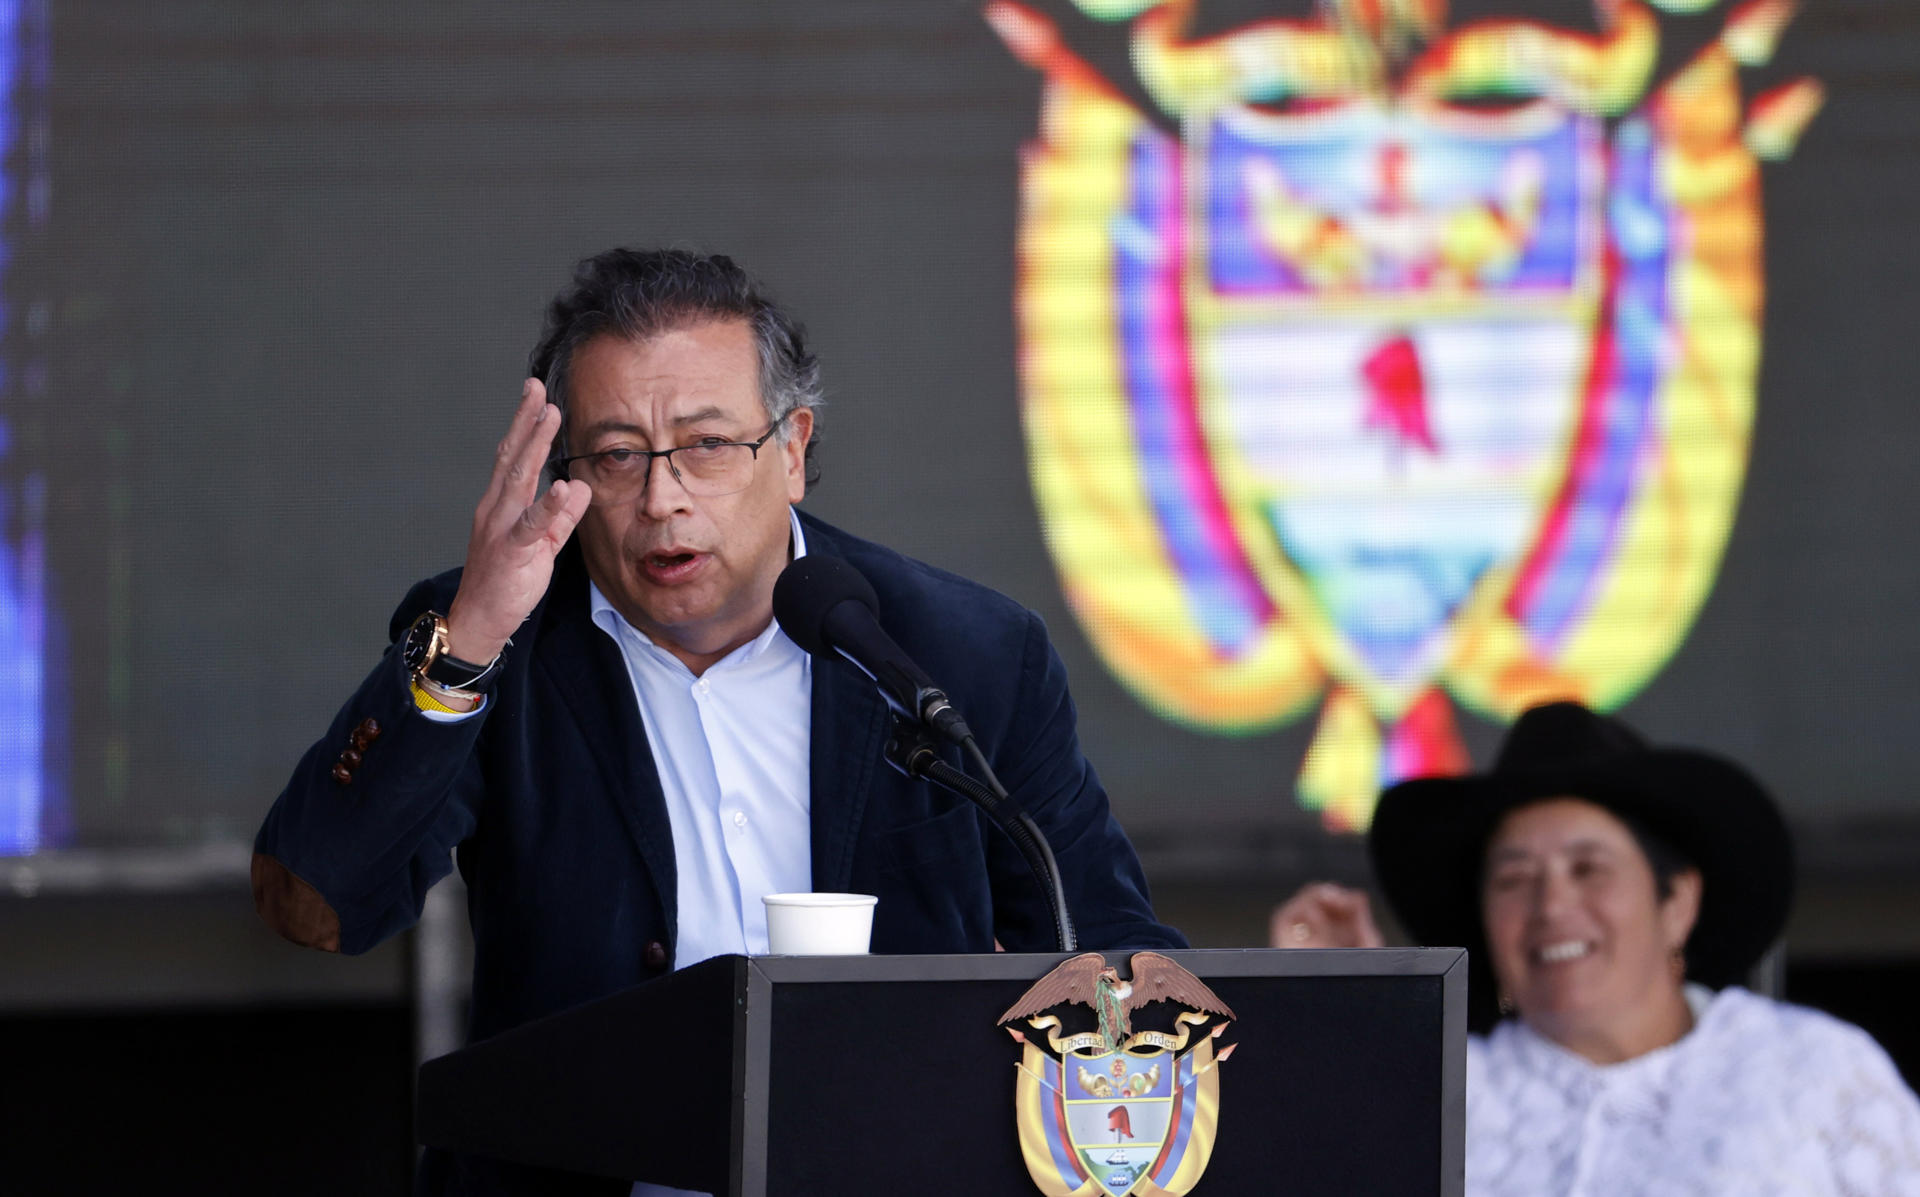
(880, 1074)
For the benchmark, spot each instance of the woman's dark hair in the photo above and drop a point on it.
(1666, 860)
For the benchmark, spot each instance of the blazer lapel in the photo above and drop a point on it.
(849, 731)
(583, 666)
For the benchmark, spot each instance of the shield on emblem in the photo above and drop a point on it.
(1391, 366)
(1126, 1124)
(1118, 1108)
(1398, 409)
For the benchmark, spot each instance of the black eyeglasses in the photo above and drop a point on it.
(709, 467)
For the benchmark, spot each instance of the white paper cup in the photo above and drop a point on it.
(819, 924)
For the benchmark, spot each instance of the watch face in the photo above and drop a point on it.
(418, 645)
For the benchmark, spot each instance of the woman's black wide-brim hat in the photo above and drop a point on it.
(1429, 835)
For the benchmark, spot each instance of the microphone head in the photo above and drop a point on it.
(809, 589)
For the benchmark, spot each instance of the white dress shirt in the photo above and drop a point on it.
(1760, 1099)
(733, 750)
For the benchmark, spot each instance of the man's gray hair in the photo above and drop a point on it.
(637, 294)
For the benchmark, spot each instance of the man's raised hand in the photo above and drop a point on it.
(517, 531)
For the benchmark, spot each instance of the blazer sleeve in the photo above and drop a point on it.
(373, 845)
(1046, 775)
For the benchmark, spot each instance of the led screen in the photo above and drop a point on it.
(1335, 380)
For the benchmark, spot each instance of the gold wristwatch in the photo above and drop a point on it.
(424, 650)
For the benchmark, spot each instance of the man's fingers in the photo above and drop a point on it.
(568, 503)
(518, 483)
(523, 473)
(579, 498)
(554, 517)
(532, 403)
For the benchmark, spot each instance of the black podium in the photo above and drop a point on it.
(792, 1076)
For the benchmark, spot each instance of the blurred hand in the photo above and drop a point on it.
(517, 531)
(1324, 915)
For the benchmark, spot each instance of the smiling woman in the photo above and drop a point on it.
(1585, 933)
(1605, 888)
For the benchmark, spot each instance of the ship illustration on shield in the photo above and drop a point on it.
(1390, 366)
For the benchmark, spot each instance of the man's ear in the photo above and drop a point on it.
(793, 452)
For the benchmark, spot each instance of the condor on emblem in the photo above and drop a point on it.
(1113, 1110)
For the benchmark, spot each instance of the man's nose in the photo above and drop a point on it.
(662, 493)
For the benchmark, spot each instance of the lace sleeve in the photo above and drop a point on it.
(1867, 1119)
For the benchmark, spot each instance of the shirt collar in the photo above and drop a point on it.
(1569, 1068)
(615, 624)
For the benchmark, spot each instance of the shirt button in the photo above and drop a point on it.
(739, 818)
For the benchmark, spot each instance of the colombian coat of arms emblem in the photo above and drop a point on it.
(1390, 365)
(1114, 1110)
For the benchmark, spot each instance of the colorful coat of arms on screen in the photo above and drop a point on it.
(1388, 364)
(1116, 1111)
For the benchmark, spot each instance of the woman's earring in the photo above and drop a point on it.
(1677, 961)
(1506, 1004)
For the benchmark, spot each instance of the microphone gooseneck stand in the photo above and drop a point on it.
(911, 750)
(829, 608)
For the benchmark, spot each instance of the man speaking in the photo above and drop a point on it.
(601, 716)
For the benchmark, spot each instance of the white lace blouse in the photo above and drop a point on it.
(1761, 1098)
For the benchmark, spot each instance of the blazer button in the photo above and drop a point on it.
(351, 758)
(656, 955)
(370, 728)
(343, 775)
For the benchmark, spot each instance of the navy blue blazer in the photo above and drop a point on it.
(551, 800)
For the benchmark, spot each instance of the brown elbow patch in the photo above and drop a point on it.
(292, 907)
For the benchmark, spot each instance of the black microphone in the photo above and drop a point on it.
(825, 605)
